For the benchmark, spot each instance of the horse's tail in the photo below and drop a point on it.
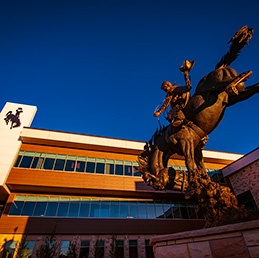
(240, 39)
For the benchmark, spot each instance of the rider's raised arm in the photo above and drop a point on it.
(163, 107)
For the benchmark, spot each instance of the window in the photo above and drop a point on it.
(119, 168)
(142, 210)
(133, 248)
(80, 164)
(49, 161)
(64, 249)
(73, 207)
(94, 212)
(60, 162)
(84, 209)
(41, 206)
(84, 249)
(17, 205)
(119, 249)
(90, 167)
(26, 249)
(29, 206)
(63, 207)
(149, 250)
(27, 159)
(71, 162)
(159, 210)
(99, 249)
(52, 206)
(9, 249)
(247, 199)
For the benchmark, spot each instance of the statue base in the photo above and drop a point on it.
(233, 240)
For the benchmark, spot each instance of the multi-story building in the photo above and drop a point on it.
(86, 190)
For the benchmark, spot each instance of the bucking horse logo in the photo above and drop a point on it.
(15, 119)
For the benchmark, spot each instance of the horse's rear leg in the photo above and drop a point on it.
(187, 148)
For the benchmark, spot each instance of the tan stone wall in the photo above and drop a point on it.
(247, 179)
(236, 240)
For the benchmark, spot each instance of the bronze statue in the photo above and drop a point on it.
(177, 97)
(216, 91)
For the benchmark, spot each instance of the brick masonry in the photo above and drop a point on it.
(246, 179)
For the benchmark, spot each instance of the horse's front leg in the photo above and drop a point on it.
(243, 95)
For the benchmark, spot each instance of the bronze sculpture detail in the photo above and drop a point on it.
(187, 133)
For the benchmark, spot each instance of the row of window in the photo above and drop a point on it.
(48, 206)
(10, 247)
(58, 162)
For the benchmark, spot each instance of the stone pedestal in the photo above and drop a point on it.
(235, 240)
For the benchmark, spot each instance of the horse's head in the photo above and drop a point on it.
(218, 80)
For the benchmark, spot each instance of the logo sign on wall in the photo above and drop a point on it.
(13, 119)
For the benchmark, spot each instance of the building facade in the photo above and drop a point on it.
(87, 192)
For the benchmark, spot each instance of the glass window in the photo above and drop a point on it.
(118, 169)
(60, 162)
(84, 249)
(124, 209)
(135, 170)
(114, 209)
(40, 206)
(63, 207)
(80, 164)
(128, 170)
(40, 161)
(84, 209)
(90, 167)
(29, 206)
(27, 249)
(35, 162)
(149, 250)
(64, 249)
(176, 211)
(52, 207)
(133, 248)
(109, 169)
(49, 161)
(191, 210)
(99, 249)
(119, 249)
(133, 211)
(18, 161)
(74, 207)
(100, 168)
(142, 210)
(159, 210)
(184, 210)
(16, 208)
(9, 249)
(168, 211)
(151, 210)
(95, 209)
(26, 162)
(105, 209)
(71, 162)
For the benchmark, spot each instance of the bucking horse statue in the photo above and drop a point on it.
(216, 91)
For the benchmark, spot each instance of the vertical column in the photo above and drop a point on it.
(126, 247)
(141, 247)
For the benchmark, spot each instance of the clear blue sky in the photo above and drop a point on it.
(95, 67)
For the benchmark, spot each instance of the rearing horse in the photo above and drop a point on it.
(216, 91)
